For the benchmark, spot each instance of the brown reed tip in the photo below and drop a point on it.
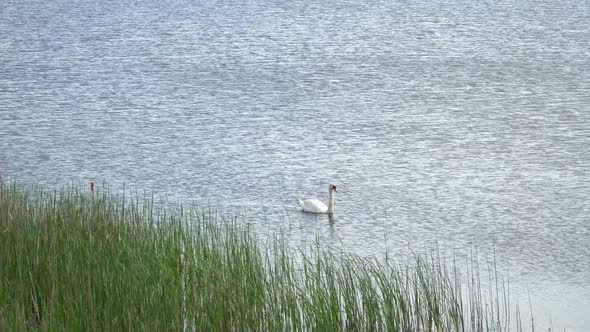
(36, 313)
(92, 185)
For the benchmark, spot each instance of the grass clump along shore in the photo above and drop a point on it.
(73, 262)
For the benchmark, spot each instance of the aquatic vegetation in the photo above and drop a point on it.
(70, 261)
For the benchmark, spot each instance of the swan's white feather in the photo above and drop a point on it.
(313, 205)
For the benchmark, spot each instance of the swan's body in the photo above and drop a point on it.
(314, 205)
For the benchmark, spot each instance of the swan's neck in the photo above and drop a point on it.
(331, 201)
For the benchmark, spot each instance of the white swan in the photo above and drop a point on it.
(314, 205)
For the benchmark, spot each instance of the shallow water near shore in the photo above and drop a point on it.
(462, 124)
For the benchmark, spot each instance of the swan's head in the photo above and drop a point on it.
(333, 187)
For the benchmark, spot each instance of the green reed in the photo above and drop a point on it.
(70, 261)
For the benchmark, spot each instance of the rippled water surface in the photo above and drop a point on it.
(462, 122)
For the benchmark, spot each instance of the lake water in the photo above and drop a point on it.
(462, 122)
